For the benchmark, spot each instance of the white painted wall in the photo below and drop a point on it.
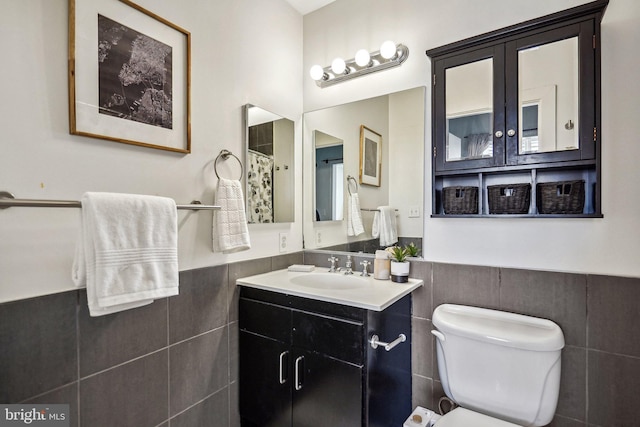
(406, 156)
(607, 246)
(237, 58)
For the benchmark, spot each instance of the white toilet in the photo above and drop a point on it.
(503, 369)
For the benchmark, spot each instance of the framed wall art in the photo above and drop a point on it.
(129, 75)
(370, 156)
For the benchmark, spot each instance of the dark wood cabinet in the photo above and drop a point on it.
(520, 105)
(308, 363)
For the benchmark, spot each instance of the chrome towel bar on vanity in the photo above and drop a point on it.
(375, 342)
(7, 200)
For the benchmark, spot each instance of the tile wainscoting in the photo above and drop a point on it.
(600, 382)
(174, 363)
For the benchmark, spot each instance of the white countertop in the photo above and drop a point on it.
(375, 295)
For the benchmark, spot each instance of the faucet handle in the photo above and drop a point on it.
(333, 260)
(365, 264)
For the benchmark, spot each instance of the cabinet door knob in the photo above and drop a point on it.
(511, 132)
(499, 134)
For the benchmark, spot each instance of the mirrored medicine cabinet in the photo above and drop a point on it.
(520, 105)
(269, 166)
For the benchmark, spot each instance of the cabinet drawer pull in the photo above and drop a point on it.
(283, 367)
(299, 378)
(375, 342)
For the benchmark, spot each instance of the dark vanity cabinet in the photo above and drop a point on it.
(519, 105)
(308, 363)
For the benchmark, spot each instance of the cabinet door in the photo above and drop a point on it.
(469, 119)
(265, 381)
(550, 106)
(326, 392)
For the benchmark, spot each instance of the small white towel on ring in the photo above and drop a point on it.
(354, 216)
(230, 230)
(384, 225)
(127, 252)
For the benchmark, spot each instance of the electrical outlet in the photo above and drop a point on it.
(283, 240)
(414, 212)
(318, 238)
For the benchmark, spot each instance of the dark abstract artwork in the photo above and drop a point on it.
(134, 75)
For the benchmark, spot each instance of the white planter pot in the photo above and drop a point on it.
(400, 271)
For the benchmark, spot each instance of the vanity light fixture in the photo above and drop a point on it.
(390, 55)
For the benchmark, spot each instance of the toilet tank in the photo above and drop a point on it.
(501, 364)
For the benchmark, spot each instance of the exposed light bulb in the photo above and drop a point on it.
(363, 58)
(316, 72)
(388, 49)
(338, 66)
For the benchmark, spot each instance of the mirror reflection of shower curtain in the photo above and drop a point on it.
(477, 144)
(260, 188)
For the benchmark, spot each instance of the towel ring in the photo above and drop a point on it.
(349, 179)
(225, 155)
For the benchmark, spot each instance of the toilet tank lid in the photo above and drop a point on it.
(498, 327)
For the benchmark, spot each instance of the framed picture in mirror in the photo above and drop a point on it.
(370, 156)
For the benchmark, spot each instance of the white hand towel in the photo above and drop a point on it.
(230, 231)
(384, 226)
(127, 253)
(354, 216)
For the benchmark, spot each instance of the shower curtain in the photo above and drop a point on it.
(477, 143)
(260, 188)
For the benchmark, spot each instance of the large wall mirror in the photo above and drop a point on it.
(331, 154)
(269, 166)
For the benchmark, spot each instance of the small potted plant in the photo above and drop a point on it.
(399, 264)
(412, 250)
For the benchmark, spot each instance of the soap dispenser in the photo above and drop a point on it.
(382, 266)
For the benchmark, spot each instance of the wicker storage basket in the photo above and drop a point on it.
(561, 197)
(460, 200)
(509, 198)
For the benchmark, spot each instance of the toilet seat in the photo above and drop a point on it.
(461, 417)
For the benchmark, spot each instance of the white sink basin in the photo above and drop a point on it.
(352, 289)
(333, 281)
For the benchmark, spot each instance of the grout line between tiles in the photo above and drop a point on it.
(198, 402)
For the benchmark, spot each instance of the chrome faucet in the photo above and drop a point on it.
(364, 265)
(333, 260)
(347, 265)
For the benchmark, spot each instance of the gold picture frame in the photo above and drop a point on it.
(370, 157)
(129, 75)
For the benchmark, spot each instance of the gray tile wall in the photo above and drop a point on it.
(172, 363)
(600, 381)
